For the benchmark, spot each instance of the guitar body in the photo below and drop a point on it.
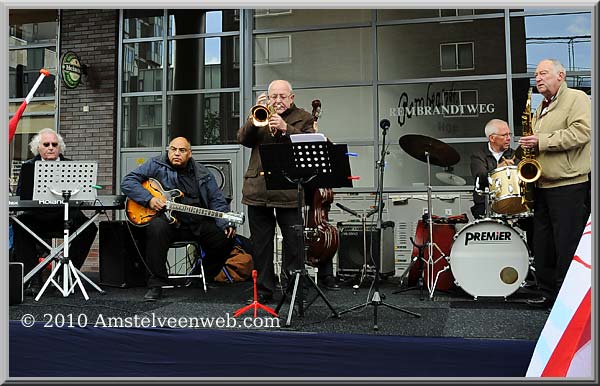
(140, 215)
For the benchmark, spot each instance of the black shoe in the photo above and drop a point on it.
(541, 302)
(34, 287)
(263, 298)
(153, 294)
(330, 284)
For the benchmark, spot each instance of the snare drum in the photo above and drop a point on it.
(489, 258)
(506, 191)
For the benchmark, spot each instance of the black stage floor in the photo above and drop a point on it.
(451, 313)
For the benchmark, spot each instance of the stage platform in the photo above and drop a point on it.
(190, 333)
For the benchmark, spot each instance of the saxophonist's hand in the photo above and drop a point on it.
(529, 142)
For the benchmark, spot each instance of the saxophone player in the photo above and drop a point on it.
(561, 133)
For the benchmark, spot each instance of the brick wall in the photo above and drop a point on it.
(92, 35)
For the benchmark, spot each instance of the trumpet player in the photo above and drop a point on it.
(562, 132)
(265, 207)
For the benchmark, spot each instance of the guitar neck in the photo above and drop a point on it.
(195, 210)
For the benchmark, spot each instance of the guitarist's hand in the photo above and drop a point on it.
(229, 232)
(156, 204)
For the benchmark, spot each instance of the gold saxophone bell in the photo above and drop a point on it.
(529, 169)
(260, 116)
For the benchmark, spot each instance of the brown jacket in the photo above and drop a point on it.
(255, 190)
(564, 133)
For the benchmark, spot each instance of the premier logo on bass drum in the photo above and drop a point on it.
(487, 236)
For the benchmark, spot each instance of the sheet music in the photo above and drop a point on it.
(309, 137)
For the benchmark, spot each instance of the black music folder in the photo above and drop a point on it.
(26, 176)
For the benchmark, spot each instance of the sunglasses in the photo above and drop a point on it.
(47, 144)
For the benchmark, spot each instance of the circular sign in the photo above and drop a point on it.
(70, 69)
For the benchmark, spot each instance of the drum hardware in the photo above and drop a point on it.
(430, 151)
(363, 219)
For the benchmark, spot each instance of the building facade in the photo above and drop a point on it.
(150, 75)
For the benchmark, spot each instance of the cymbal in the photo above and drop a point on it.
(450, 179)
(440, 153)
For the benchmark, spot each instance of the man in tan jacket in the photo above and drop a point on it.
(265, 207)
(562, 132)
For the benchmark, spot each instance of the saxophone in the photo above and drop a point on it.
(529, 169)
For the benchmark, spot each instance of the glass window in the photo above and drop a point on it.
(141, 121)
(32, 27)
(346, 112)
(142, 66)
(567, 38)
(403, 51)
(286, 18)
(202, 63)
(142, 23)
(205, 119)
(444, 109)
(348, 57)
(403, 14)
(24, 70)
(201, 21)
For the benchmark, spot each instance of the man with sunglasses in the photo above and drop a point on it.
(49, 146)
(178, 170)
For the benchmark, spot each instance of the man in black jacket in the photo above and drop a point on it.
(48, 145)
(496, 153)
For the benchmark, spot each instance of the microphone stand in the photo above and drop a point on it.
(377, 301)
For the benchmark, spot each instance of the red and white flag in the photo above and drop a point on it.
(564, 348)
(14, 121)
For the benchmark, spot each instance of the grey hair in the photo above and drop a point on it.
(492, 126)
(281, 80)
(557, 65)
(35, 141)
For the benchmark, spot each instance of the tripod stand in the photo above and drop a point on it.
(376, 300)
(299, 164)
(71, 178)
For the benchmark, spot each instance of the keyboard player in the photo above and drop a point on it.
(47, 223)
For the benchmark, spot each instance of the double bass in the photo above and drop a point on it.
(323, 238)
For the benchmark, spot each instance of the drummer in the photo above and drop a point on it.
(496, 153)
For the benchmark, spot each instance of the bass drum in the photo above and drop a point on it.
(489, 258)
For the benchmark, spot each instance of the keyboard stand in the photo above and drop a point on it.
(54, 255)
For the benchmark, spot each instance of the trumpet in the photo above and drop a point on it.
(261, 114)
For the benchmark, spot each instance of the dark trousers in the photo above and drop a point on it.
(160, 234)
(49, 223)
(560, 216)
(262, 222)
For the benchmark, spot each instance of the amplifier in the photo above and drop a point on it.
(351, 250)
(119, 254)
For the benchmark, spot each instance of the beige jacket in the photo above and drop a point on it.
(564, 131)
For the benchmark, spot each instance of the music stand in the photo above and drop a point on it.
(65, 179)
(313, 165)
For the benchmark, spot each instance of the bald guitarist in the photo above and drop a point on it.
(178, 170)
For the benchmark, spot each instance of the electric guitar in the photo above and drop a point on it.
(140, 215)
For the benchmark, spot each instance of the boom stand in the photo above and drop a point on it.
(377, 301)
(49, 171)
(296, 163)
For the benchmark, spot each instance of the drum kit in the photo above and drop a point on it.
(487, 257)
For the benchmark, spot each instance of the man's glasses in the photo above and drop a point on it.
(502, 135)
(280, 96)
(181, 150)
(47, 144)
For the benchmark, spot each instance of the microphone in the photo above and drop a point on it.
(346, 209)
(384, 124)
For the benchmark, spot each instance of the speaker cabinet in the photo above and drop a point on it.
(15, 283)
(119, 260)
(221, 169)
(351, 250)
